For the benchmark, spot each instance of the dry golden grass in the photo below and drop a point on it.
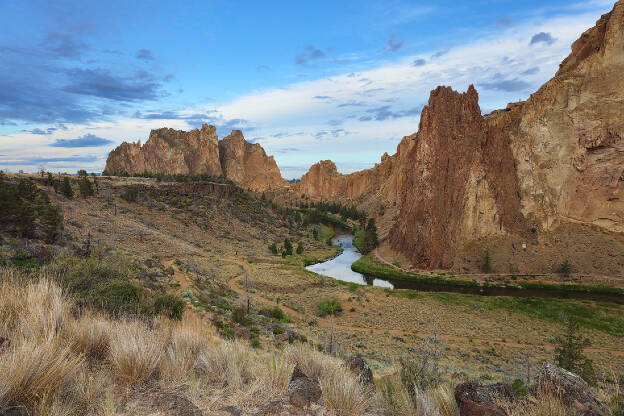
(136, 352)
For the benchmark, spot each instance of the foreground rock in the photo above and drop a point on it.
(360, 367)
(169, 152)
(476, 400)
(573, 391)
(302, 390)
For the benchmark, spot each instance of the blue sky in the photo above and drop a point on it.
(307, 80)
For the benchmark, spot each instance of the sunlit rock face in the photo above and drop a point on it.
(198, 151)
(557, 157)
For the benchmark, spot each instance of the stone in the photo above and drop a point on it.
(231, 410)
(477, 400)
(573, 391)
(5, 344)
(360, 367)
(302, 390)
(175, 403)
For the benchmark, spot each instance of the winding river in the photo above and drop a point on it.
(340, 267)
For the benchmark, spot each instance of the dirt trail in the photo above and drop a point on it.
(237, 285)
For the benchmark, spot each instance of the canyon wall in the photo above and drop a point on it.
(556, 158)
(169, 151)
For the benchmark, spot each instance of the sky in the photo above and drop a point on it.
(341, 80)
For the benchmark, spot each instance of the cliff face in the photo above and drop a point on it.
(247, 164)
(557, 157)
(169, 151)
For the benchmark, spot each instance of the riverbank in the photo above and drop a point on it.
(370, 266)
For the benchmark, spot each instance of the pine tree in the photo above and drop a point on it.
(299, 248)
(86, 189)
(288, 248)
(569, 353)
(66, 188)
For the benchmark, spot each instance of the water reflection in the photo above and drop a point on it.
(340, 267)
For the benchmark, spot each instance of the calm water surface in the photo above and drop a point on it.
(340, 267)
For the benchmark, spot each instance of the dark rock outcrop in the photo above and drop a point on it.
(575, 394)
(360, 367)
(302, 390)
(476, 400)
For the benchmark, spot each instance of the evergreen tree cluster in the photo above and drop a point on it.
(335, 208)
(26, 210)
(369, 239)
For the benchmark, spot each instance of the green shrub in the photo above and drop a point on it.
(278, 330)
(565, 268)
(300, 248)
(486, 264)
(569, 353)
(329, 306)
(227, 333)
(130, 194)
(169, 305)
(519, 387)
(66, 188)
(85, 187)
(288, 248)
(118, 297)
(273, 248)
(239, 315)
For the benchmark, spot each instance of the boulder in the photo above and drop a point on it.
(360, 367)
(574, 392)
(302, 390)
(175, 403)
(477, 400)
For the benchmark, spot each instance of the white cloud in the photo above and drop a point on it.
(291, 117)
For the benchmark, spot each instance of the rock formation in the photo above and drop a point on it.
(556, 158)
(170, 151)
(246, 164)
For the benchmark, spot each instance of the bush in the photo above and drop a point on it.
(570, 355)
(299, 248)
(273, 248)
(486, 265)
(66, 188)
(519, 387)
(169, 305)
(130, 194)
(288, 248)
(565, 268)
(239, 315)
(329, 306)
(85, 186)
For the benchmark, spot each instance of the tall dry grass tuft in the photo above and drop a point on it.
(276, 373)
(91, 335)
(232, 364)
(186, 340)
(136, 352)
(45, 310)
(32, 371)
(11, 300)
(343, 393)
(313, 363)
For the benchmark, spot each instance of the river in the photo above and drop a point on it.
(340, 267)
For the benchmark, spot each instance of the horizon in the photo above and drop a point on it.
(297, 79)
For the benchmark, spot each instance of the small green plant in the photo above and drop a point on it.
(519, 387)
(288, 248)
(130, 194)
(170, 306)
(273, 248)
(329, 306)
(300, 248)
(315, 234)
(227, 332)
(239, 315)
(565, 268)
(486, 264)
